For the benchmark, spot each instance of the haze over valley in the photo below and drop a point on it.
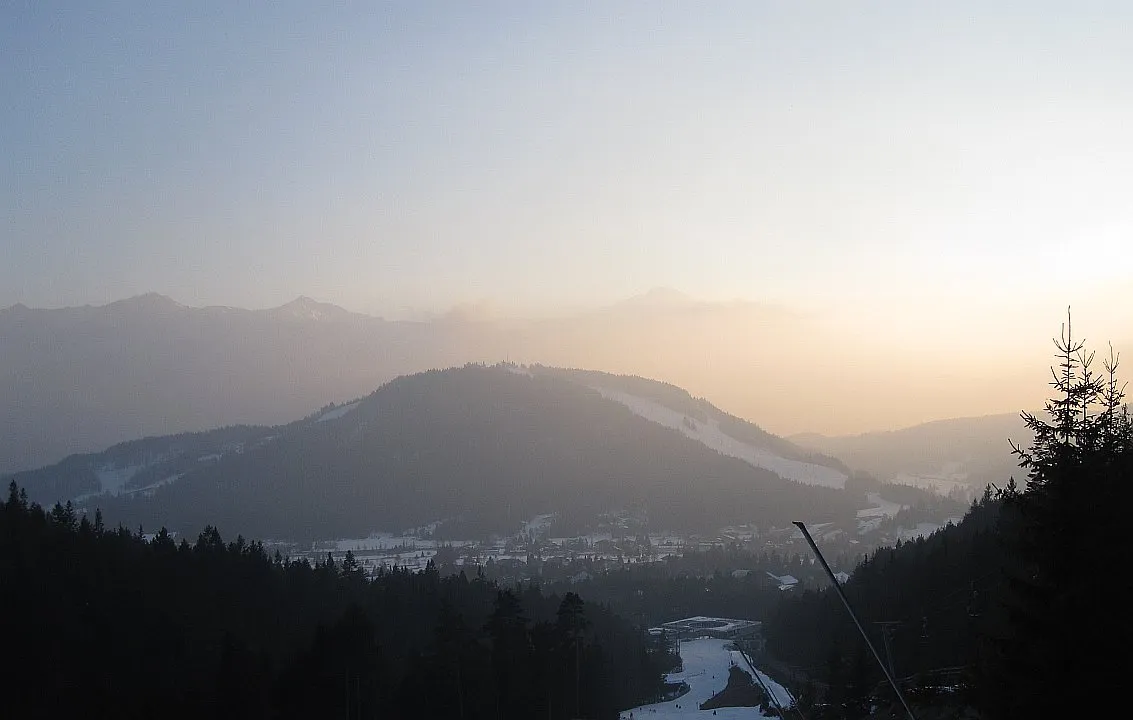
(578, 361)
(80, 379)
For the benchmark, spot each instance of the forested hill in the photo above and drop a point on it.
(965, 453)
(1018, 610)
(82, 378)
(936, 592)
(478, 449)
(102, 623)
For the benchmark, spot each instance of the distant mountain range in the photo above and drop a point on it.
(79, 379)
(960, 454)
(475, 450)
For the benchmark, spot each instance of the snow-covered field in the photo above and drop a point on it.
(710, 434)
(148, 490)
(950, 478)
(939, 484)
(786, 582)
(538, 524)
(112, 480)
(706, 664)
(377, 541)
(870, 518)
(337, 412)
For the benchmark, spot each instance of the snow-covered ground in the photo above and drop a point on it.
(870, 518)
(951, 477)
(590, 538)
(337, 412)
(538, 524)
(148, 490)
(112, 480)
(377, 541)
(706, 664)
(786, 582)
(710, 434)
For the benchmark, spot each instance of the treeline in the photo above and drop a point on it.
(1021, 610)
(932, 596)
(722, 582)
(109, 623)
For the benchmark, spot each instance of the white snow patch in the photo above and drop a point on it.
(706, 663)
(379, 541)
(710, 435)
(337, 412)
(881, 507)
(147, 491)
(782, 695)
(590, 539)
(538, 524)
(950, 478)
(870, 518)
(114, 479)
(786, 582)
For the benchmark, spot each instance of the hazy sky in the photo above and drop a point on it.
(937, 160)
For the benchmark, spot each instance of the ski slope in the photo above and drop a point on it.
(709, 434)
(338, 412)
(871, 518)
(706, 664)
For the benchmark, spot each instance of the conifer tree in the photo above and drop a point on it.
(1065, 599)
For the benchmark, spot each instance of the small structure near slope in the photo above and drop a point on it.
(713, 627)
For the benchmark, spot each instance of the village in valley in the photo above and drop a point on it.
(779, 555)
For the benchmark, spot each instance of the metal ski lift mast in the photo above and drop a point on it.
(846, 602)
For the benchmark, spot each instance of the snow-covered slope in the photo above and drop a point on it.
(870, 518)
(113, 481)
(709, 433)
(337, 412)
(706, 664)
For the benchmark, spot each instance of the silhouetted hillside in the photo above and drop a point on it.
(964, 452)
(479, 448)
(1011, 611)
(76, 380)
(80, 379)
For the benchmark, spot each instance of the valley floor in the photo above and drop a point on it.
(706, 664)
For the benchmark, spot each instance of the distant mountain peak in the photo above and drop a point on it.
(306, 308)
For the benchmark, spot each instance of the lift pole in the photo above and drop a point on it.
(846, 602)
(886, 635)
